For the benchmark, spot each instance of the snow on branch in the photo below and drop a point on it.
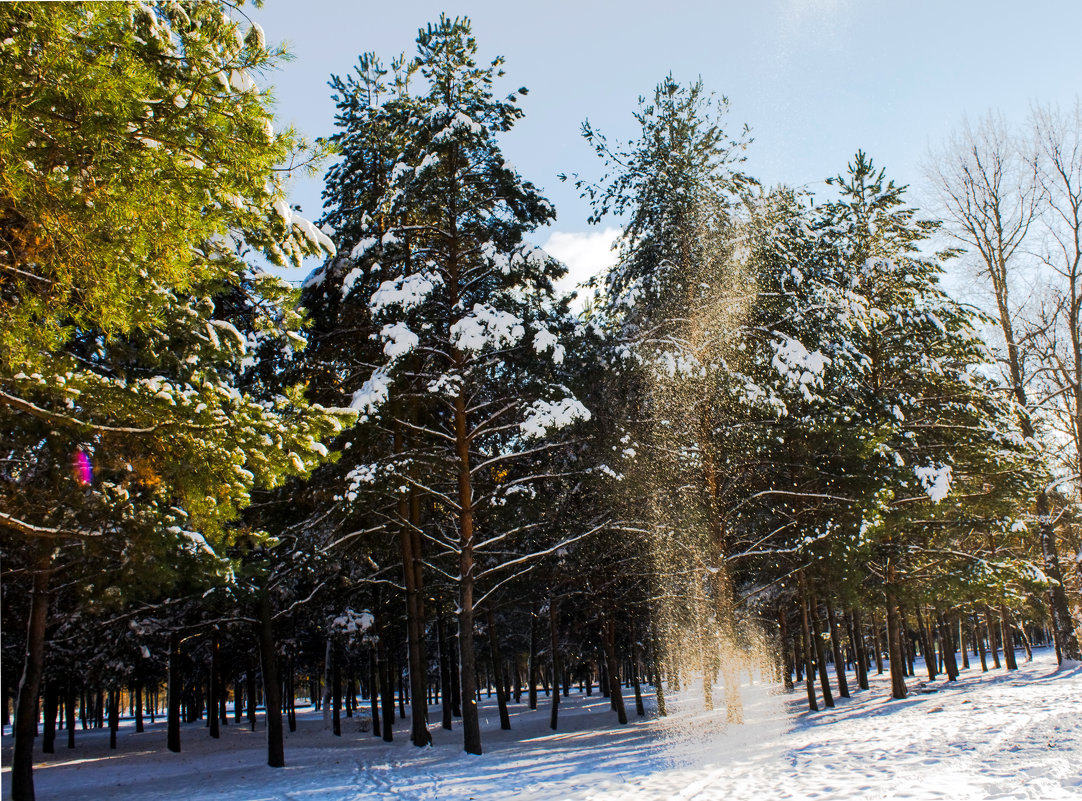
(486, 326)
(797, 365)
(545, 415)
(405, 292)
(936, 480)
(373, 393)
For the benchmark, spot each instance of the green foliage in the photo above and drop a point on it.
(138, 169)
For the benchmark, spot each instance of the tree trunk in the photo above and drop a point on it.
(894, 649)
(809, 658)
(878, 642)
(373, 690)
(238, 699)
(70, 720)
(212, 701)
(1008, 638)
(946, 645)
(636, 666)
(1025, 643)
(1062, 621)
(784, 647)
(497, 669)
(172, 695)
(926, 644)
(962, 646)
(531, 666)
(857, 623)
(659, 691)
(608, 643)
(978, 640)
(137, 692)
(386, 684)
(291, 697)
(820, 654)
(272, 701)
(49, 711)
(250, 694)
(26, 719)
(445, 672)
(993, 643)
(336, 692)
(410, 544)
(554, 645)
(114, 715)
(836, 647)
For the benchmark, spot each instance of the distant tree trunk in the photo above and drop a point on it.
(250, 693)
(137, 695)
(909, 648)
(878, 643)
(946, 645)
(26, 718)
(401, 692)
(70, 720)
(820, 654)
(272, 701)
(554, 646)
(214, 689)
(962, 645)
(409, 512)
(172, 695)
(993, 643)
(373, 690)
(49, 712)
(809, 657)
(608, 643)
(336, 697)
(1008, 638)
(1025, 643)
(291, 697)
(531, 665)
(454, 646)
(328, 681)
(857, 622)
(497, 669)
(238, 699)
(786, 651)
(978, 640)
(114, 715)
(471, 724)
(386, 684)
(836, 646)
(659, 690)
(926, 644)
(636, 666)
(445, 672)
(894, 648)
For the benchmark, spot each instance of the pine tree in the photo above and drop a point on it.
(463, 381)
(138, 162)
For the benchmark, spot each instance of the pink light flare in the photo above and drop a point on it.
(84, 472)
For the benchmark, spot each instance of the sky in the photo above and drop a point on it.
(814, 79)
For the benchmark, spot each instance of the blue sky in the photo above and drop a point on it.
(814, 79)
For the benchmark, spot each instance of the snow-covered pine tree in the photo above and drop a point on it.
(669, 307)
(934, 427)
(135, 176)
(464, 381)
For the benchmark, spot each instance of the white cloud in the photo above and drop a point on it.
(586, 254)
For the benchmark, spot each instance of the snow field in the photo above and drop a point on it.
(986, 736)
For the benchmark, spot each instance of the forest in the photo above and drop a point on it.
(767, 443)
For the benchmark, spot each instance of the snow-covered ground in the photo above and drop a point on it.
(994, 735)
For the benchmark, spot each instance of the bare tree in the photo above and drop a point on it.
(994, 190)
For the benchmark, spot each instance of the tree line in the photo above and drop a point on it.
(767, 440)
